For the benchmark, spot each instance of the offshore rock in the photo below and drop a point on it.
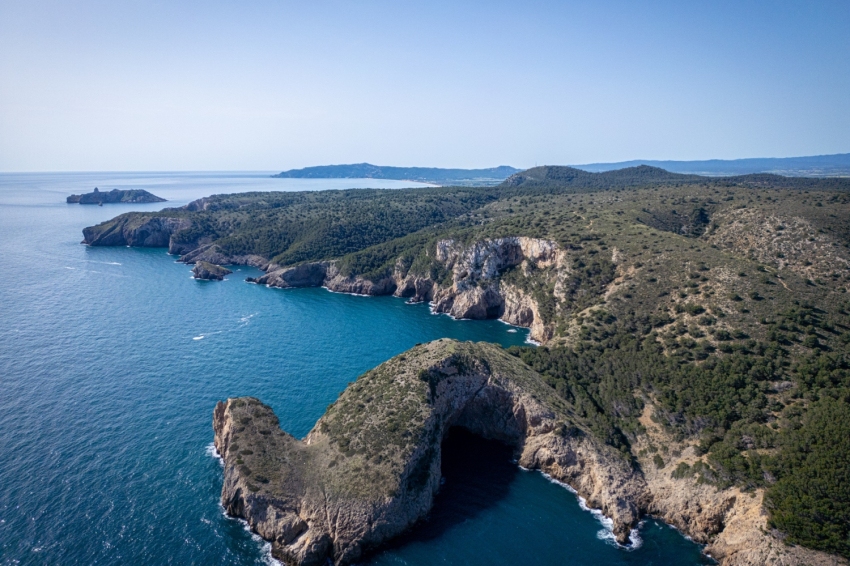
(209, 271)
(370, 467)
(211, 253)
(134, 196)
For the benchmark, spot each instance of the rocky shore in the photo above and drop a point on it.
(209, 271)
(370, 467)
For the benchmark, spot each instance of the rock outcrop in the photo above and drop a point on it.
(475, 289)
(132, 196)
(370, 467)
(135, 230)
(209, 271)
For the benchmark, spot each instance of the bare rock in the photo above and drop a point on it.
(209, 271)
(370, 467)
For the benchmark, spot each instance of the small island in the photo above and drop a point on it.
(135, 196)
(209, 271)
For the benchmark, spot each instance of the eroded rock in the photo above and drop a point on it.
(370, 467)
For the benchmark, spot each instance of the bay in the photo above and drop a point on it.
(111, 360)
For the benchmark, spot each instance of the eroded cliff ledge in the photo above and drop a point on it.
(370, 467)
(508, 278)
(472, 284)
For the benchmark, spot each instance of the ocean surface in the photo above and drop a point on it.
(112, 359)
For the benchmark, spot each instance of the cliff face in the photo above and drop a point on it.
(131, 230)
(730, 522)
(371, 466)
(475, 289)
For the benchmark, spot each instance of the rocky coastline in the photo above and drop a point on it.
(209, 271)
(472, 289)
(370, 467)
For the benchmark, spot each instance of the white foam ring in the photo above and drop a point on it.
(345, 292)
(265, 546)
(607, 533)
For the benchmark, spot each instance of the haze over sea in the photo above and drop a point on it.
(112, 359)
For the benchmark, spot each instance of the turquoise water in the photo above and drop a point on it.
(111, 360)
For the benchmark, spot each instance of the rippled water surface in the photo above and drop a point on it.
(111, 360)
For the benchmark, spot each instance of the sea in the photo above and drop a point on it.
(112, 359)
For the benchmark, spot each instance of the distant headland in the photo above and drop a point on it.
(97, 196)
(433, 175)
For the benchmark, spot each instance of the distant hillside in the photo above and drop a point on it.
(559, 176)
(837, 165)
(437, 176)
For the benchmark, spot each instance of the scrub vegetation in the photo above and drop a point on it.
(720, 302)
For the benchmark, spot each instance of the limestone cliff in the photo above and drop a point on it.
(475, 289)
(370, 467)
(133, 230)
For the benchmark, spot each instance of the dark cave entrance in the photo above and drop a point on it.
(476, 474)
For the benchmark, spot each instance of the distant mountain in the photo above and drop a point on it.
(837, 165)
(437, 176)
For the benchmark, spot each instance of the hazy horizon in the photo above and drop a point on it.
(269, 86)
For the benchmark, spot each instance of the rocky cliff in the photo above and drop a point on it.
(209, 271)
(370, 467)
(134, 230)
(474, 288)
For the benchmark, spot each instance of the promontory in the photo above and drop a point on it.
(694, 340)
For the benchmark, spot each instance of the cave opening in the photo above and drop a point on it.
(476, 474)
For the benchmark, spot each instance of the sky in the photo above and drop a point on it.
(109, 85)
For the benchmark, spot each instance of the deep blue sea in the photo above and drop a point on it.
(111, 360)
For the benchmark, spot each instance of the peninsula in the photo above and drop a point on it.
(134, 196)
(433, 175)
(697, 328)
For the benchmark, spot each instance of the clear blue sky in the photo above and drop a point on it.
(270, 85)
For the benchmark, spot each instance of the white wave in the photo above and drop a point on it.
(265, 546)
(201, 337)
(528, 340)
(607, 533)
(212, 452)
(512, 330)
(344, 293)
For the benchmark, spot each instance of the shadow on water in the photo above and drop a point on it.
(477, 474)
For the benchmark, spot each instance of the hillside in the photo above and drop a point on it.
(434, 175)
(837, 165)
(699, 326)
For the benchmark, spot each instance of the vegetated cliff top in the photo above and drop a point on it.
(371, 465)
(134, 196)
(721, 303)
(468, 177)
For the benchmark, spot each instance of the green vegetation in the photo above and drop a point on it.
(720, 302)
